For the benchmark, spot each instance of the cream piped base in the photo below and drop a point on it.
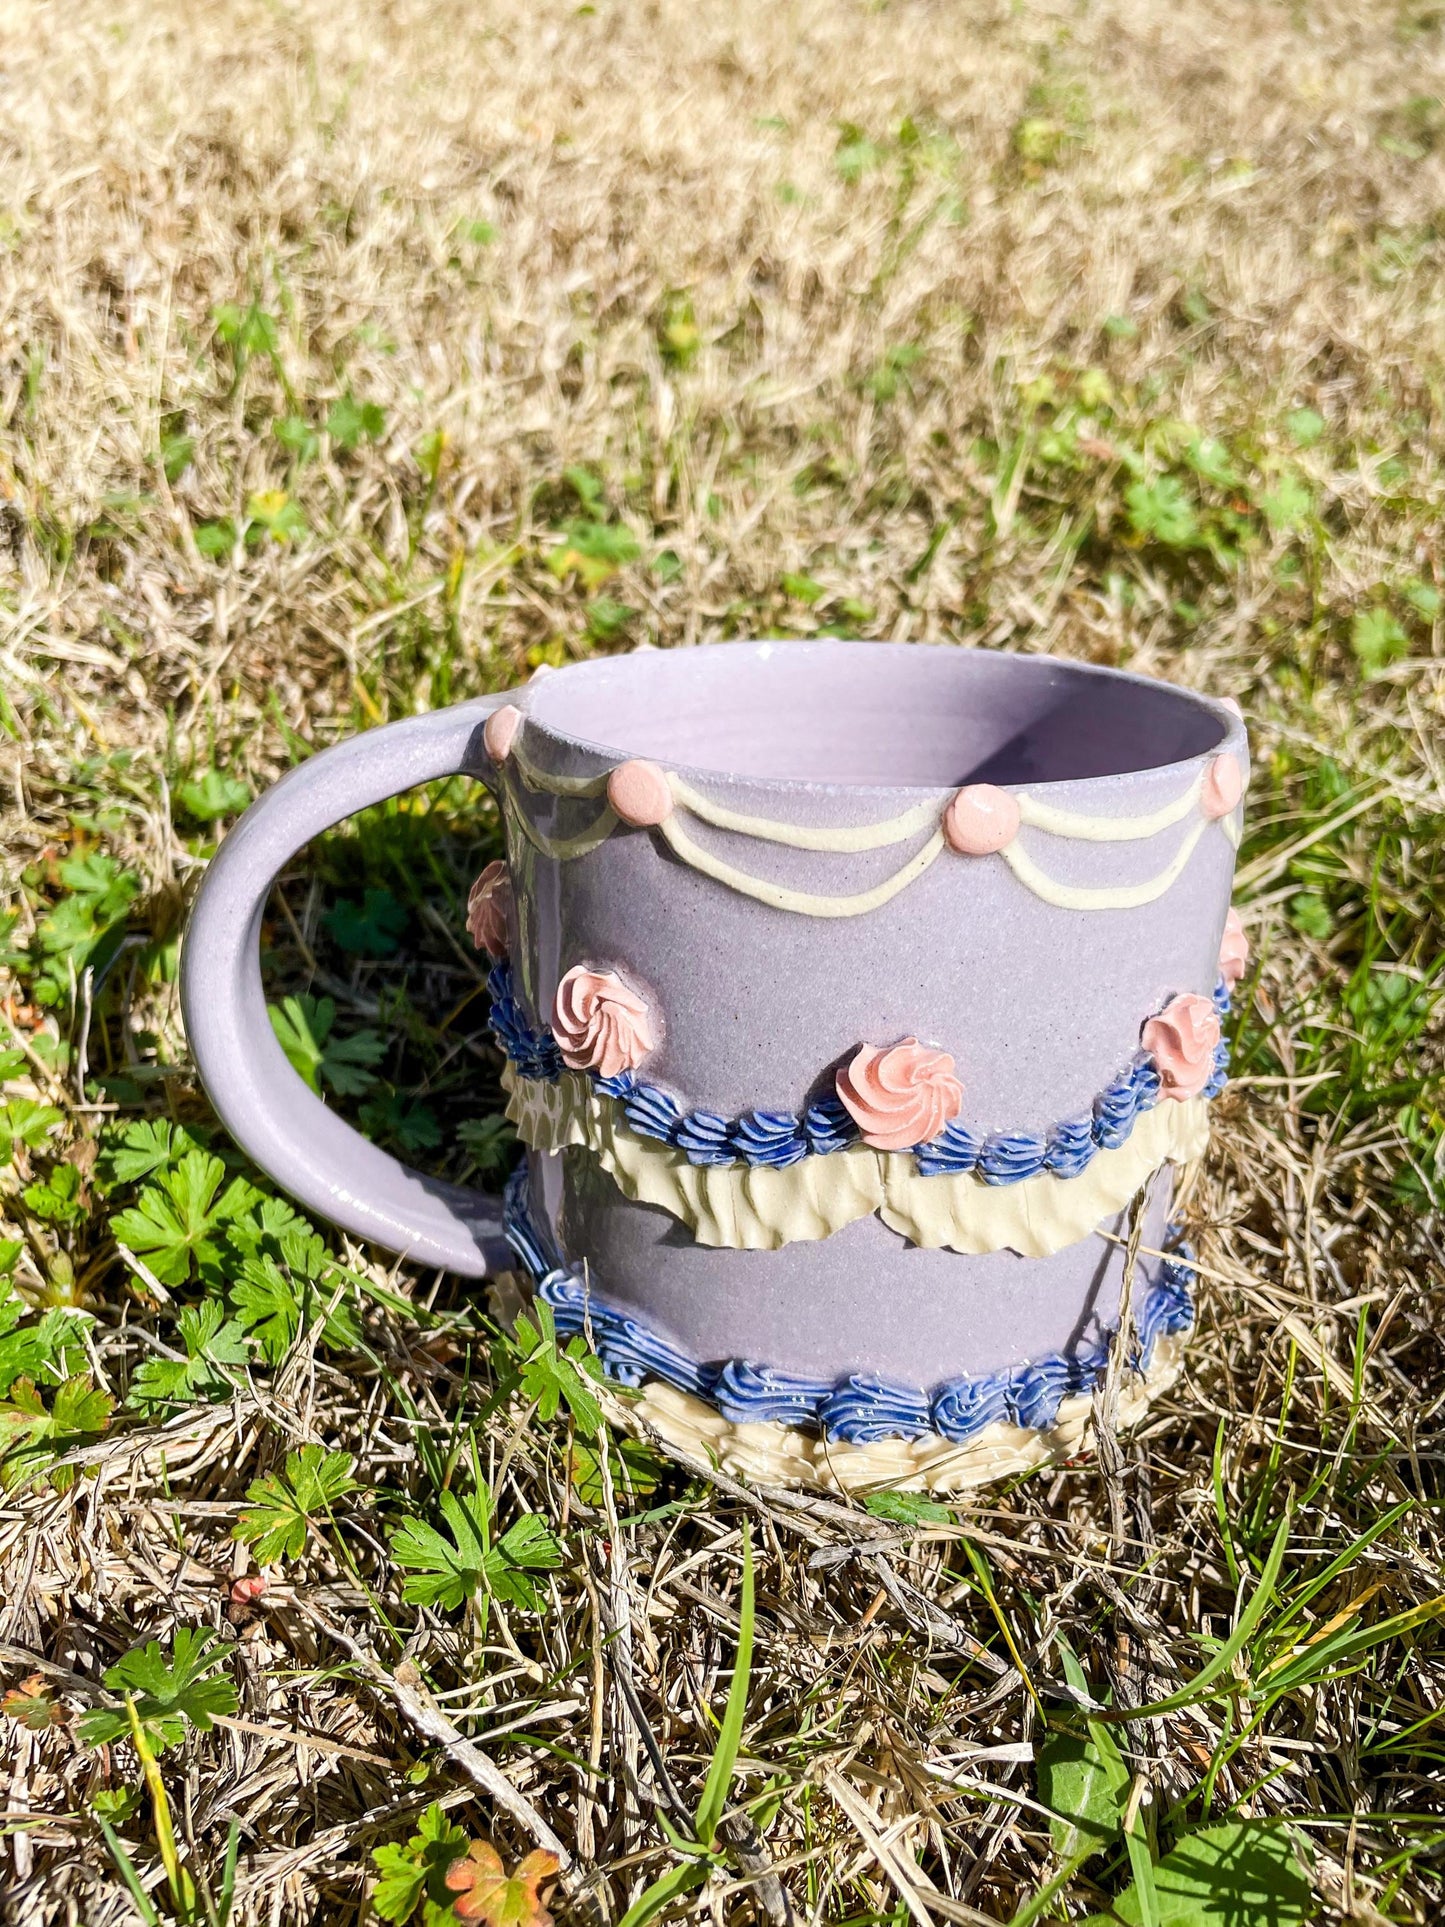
(779, 1455)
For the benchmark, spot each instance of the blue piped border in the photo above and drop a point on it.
(781, 1138)
(861, 1408)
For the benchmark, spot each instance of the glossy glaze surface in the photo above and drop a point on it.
(752, 1007)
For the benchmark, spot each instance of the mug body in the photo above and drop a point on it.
(851, 993)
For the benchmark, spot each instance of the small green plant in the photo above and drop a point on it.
(247, 332)
(854, 154)
(372, 927)
(137, 1149)
(485, 1891)
(45, 1349)
(1310, 915)
(212, 795)
(553, 1377)
(33, 1706)
(415, 1874)
(1211, 462)
(215, 1347)
(273, 1301)
(1083, 1781)
(170, 1692)
(298, 438)
(84, 927)
(305, 1030)
(33, 1434)
(465, 1561)
(178, 1223)
(594, 552)
(285, 1506)
(891, 374)
(177, 447)
(607, 619)
(1238, 1874)
(1289, 504)
(1161, 512)
(489, 1142)
(1377, 640)
(58, 1198)
(678, 336)
(25, 1122)
(163, 1697)
(1304, 427)
(288, 1278)
(349, 422)
(908, 1509)
(1039, 142)
(405, 1122)
(275, 513)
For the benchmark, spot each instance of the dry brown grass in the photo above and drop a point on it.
(713, 232)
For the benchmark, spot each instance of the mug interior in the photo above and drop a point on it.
(892, 715)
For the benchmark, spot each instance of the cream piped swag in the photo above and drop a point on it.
(979, 820)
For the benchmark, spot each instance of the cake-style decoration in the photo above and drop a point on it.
(1223, 787)
(1234, 950)
(639, 794)
(499, 732)
(862, 1430)
(1182, 1040)
(901, 1096)
(742, 1206)
(489, 906)
(981, 820)
(1065, 1148)
(978, 820)
(601, 1024)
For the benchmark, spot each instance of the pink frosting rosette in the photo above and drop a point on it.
(1234, 950)
(488, 907)
(901, 1096)
(1182, 1040)
(600, 1023)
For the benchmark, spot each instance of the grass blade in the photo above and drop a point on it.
(228, 1873)
(724, 1759)
(1342, 1562)
(125, 1866)
(1141, 1865)
(1224, 1659)
(669, 1887)
(182, 1893)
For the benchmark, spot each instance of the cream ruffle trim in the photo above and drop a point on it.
(761, 1208)
(772, 1454)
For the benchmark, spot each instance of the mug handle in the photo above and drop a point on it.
(267, 1108)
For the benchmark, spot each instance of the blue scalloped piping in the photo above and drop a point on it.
(860, 1409)
(778, 1138)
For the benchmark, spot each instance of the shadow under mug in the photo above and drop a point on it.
(850, 993)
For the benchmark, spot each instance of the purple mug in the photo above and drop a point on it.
(850, 994)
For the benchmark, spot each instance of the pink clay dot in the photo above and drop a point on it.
(981, 820)
(1232, 702)
(1223, 786)
(639, 794)
(499, 732)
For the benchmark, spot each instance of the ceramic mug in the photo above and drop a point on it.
(850, 993)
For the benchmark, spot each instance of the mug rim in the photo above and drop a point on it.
(1233, 738)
